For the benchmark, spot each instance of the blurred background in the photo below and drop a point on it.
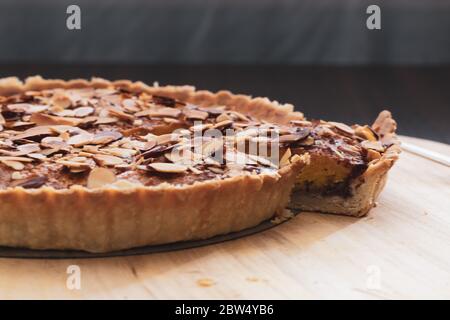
(317, 55)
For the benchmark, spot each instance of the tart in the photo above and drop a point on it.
(103, 166)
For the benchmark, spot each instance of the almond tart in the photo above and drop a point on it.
(102, 166)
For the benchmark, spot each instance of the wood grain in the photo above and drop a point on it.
(401, 250)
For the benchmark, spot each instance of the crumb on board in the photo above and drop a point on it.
(205, 282)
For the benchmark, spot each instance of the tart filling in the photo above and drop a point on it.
(60, 138)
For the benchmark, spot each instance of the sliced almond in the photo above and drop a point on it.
(38, 156)
(168, 167)
(105, 137)
(261, 160)
(284, 161)
(374, 145)
(2, 120)
(373, 155)
(342, 127)
(223, 124)
(238, 115)
(366, 132)
(53, 142)
(201, 127)
(75, 165)
(61, 101)
(120, 152)
(195, 114)
(80, 139)
(223, 117)
(167, 138)
(120, 114)
(106, 120)
(130, 105)
(19, 159)
(98, 177)
(28, 148)
(163, 112)
(47, 120)
(107, 160)
(83, 112)
(16, 165)
(31, 133)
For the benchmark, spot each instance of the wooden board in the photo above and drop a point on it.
(401, 250)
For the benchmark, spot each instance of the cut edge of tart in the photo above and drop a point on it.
(357, 192)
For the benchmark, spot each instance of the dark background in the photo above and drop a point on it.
(318, 55)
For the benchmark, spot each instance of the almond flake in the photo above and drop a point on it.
(83, 112)
(79, 166)
(167, 138)
(80, 139)
(38, 156)
(61, 101)
(13, 164)
(163, 112)
(223, 117)
(35, 132)
(47, 120)
(373, 155)
(20, 159)
(106, 120)
(195, 114)
(53, 142)
(201, 127)
(374, 145)
(107, 160)
(130, 105)
(285, 158)
(342, 127)
(105, 137)
(239, 115)
(98, 177)
(120, 114)
(223, 124)
(28, 148)
(304, 123)
(168, 167)
(120, 152)
(2, 120)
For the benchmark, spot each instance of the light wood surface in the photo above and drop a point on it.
(401, 250)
